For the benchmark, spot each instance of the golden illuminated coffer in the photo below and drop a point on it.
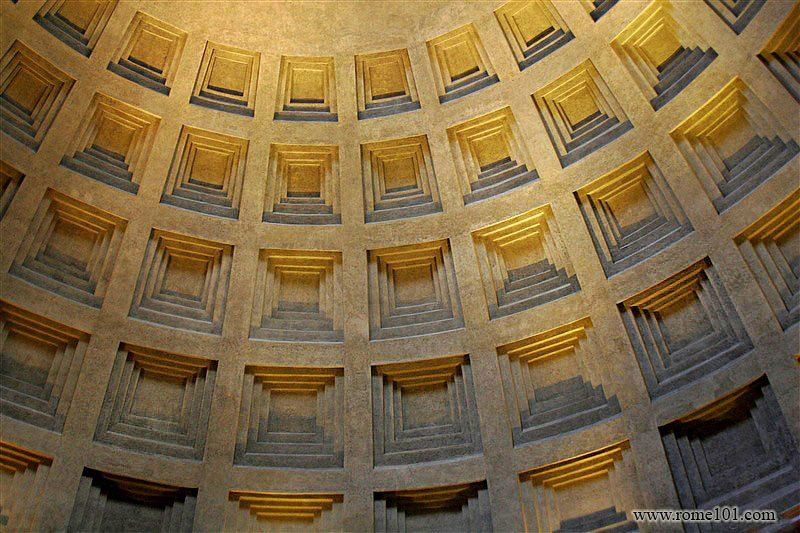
(397, 266)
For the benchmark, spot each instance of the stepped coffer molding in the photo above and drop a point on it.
(111, 502)
(23, 475)
(523, 263)
(227, 79)
(424, 411)
(580, 113)
(661, 53)
(597, 8)
(631, 214)
(298, 296)
(32, 91)
(733, 144)
(736, 15)
(149, 53)
(114, 143)
(780, 53)
(735, 451)
(534, 29)
(684, 328)
(41, 363)
(306, 90)
(460, 64)
(79, 25)
(157, 402)
(463, 507)
(10, 181)
(70, 249)
(413, 291)
(593, 491)
(183, 282)
(207, 173)
(303, 185)
(284, 511)
(291, 417)
(385, 84)
(547, 383)
(490, 156)
(771, 247)
(399, 179)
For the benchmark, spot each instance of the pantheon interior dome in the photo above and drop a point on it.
(398, 265)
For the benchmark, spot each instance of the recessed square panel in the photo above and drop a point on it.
(306, 89)
(28, 359)
(400, 172)
(308, 86)
(534, 30)
(298, 296)
(229, 75)
(632, 214)
(398, 179)
(227, 79)
(414, 284)
(490, 156)
(23, 476)
(115, 135)
(662, 53)
(460, 64)
(523, 264)
(531, 20)
(463, 507)
(459, 60)
(291, 417)
(388, 79)
(771, 247)
(157, 402)
(26, 89)
(77, 24)
(114, 144)
(737, 450)
(424, 411)
(305, 178)
(120, 503)
(70, 249)
(185, 275)
(183, 282)
(158, 397)
(733, 144)
(149, 53)
(683, 328)
(33, 91)
(39, 367)
(207, 173)
(547, 383)
(292, 411)
(413, 291)
(578, 106)
(592, 491)
(425, 406)
(580, 113)
(209, 167)
(302, 185)
(385, 84)
(152, 49)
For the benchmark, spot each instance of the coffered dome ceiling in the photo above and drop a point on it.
(397, 266)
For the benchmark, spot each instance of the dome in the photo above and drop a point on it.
(398, 266)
